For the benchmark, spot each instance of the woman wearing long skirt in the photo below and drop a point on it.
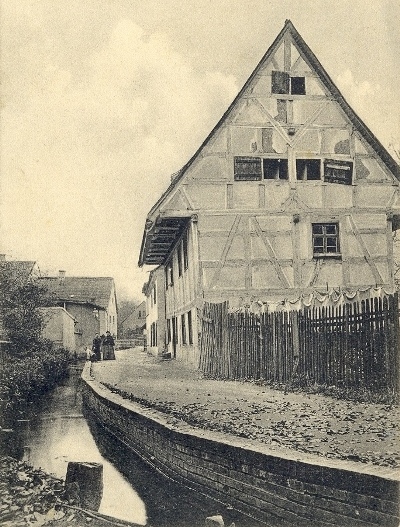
(108, 347)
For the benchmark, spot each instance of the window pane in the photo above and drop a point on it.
(317, 229)
(330, 229)
(331, 245)
(319, 242)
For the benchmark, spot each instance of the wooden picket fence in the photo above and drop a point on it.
(351, 345)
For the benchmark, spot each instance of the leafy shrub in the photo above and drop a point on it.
(24, 378)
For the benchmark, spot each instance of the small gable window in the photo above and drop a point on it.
(275, 168)
(283, 83)
(325, 238)
(308, 169)
(298, 85)
(247, 169)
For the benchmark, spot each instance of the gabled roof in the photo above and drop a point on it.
(20, 269)
(81, 290)
(313, 63)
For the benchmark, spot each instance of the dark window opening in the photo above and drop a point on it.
(325, 239)
(180, 259)
(190, 327)
(247, 169)
(185, 251)
(308, 169)
(298, 85)
(183, 329)
(168, 330)
(275, 168)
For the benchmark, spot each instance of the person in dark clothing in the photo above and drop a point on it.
(108, 347)
(96, 347)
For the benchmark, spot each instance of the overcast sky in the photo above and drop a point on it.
(102, 100)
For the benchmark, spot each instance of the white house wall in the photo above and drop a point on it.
(182, 298)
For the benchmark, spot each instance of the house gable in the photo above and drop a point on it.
(288, 124)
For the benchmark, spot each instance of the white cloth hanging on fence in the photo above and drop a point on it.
(332, 297)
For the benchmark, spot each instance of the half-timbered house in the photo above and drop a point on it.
(289, 194)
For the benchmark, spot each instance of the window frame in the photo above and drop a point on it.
(325, 236)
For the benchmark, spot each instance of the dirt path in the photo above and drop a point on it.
(316, 424)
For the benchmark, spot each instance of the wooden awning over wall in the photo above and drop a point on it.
(160, 238)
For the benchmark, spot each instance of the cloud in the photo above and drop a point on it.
(86, 156)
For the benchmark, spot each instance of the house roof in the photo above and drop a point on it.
(81, 290)
(21, 269)
(314, 63)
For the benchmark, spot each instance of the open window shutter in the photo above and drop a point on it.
(248, 169)
(280, 82)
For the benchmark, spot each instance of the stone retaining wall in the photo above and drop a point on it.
(273, 490)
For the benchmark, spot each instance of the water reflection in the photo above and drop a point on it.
(58, 433)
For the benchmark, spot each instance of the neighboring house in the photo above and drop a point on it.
(22, 271)
(134, 324)
(290, 194)
(91, 301)
(59, 327)
(156, 326)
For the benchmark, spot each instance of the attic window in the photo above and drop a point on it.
(275, 168)
(308, 169)
(298, 85)
(247, 169)
(338, 171)
(283, 83)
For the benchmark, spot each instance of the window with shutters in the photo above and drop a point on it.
(283, 83)
(256, 169)
(247, 169)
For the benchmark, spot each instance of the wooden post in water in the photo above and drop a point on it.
(87, 478)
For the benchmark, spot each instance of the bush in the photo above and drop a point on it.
(24, 378)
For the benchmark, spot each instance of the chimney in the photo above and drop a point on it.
(61, 277)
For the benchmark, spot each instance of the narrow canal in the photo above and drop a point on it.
(56, 432)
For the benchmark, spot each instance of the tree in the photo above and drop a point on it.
(21, 300)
